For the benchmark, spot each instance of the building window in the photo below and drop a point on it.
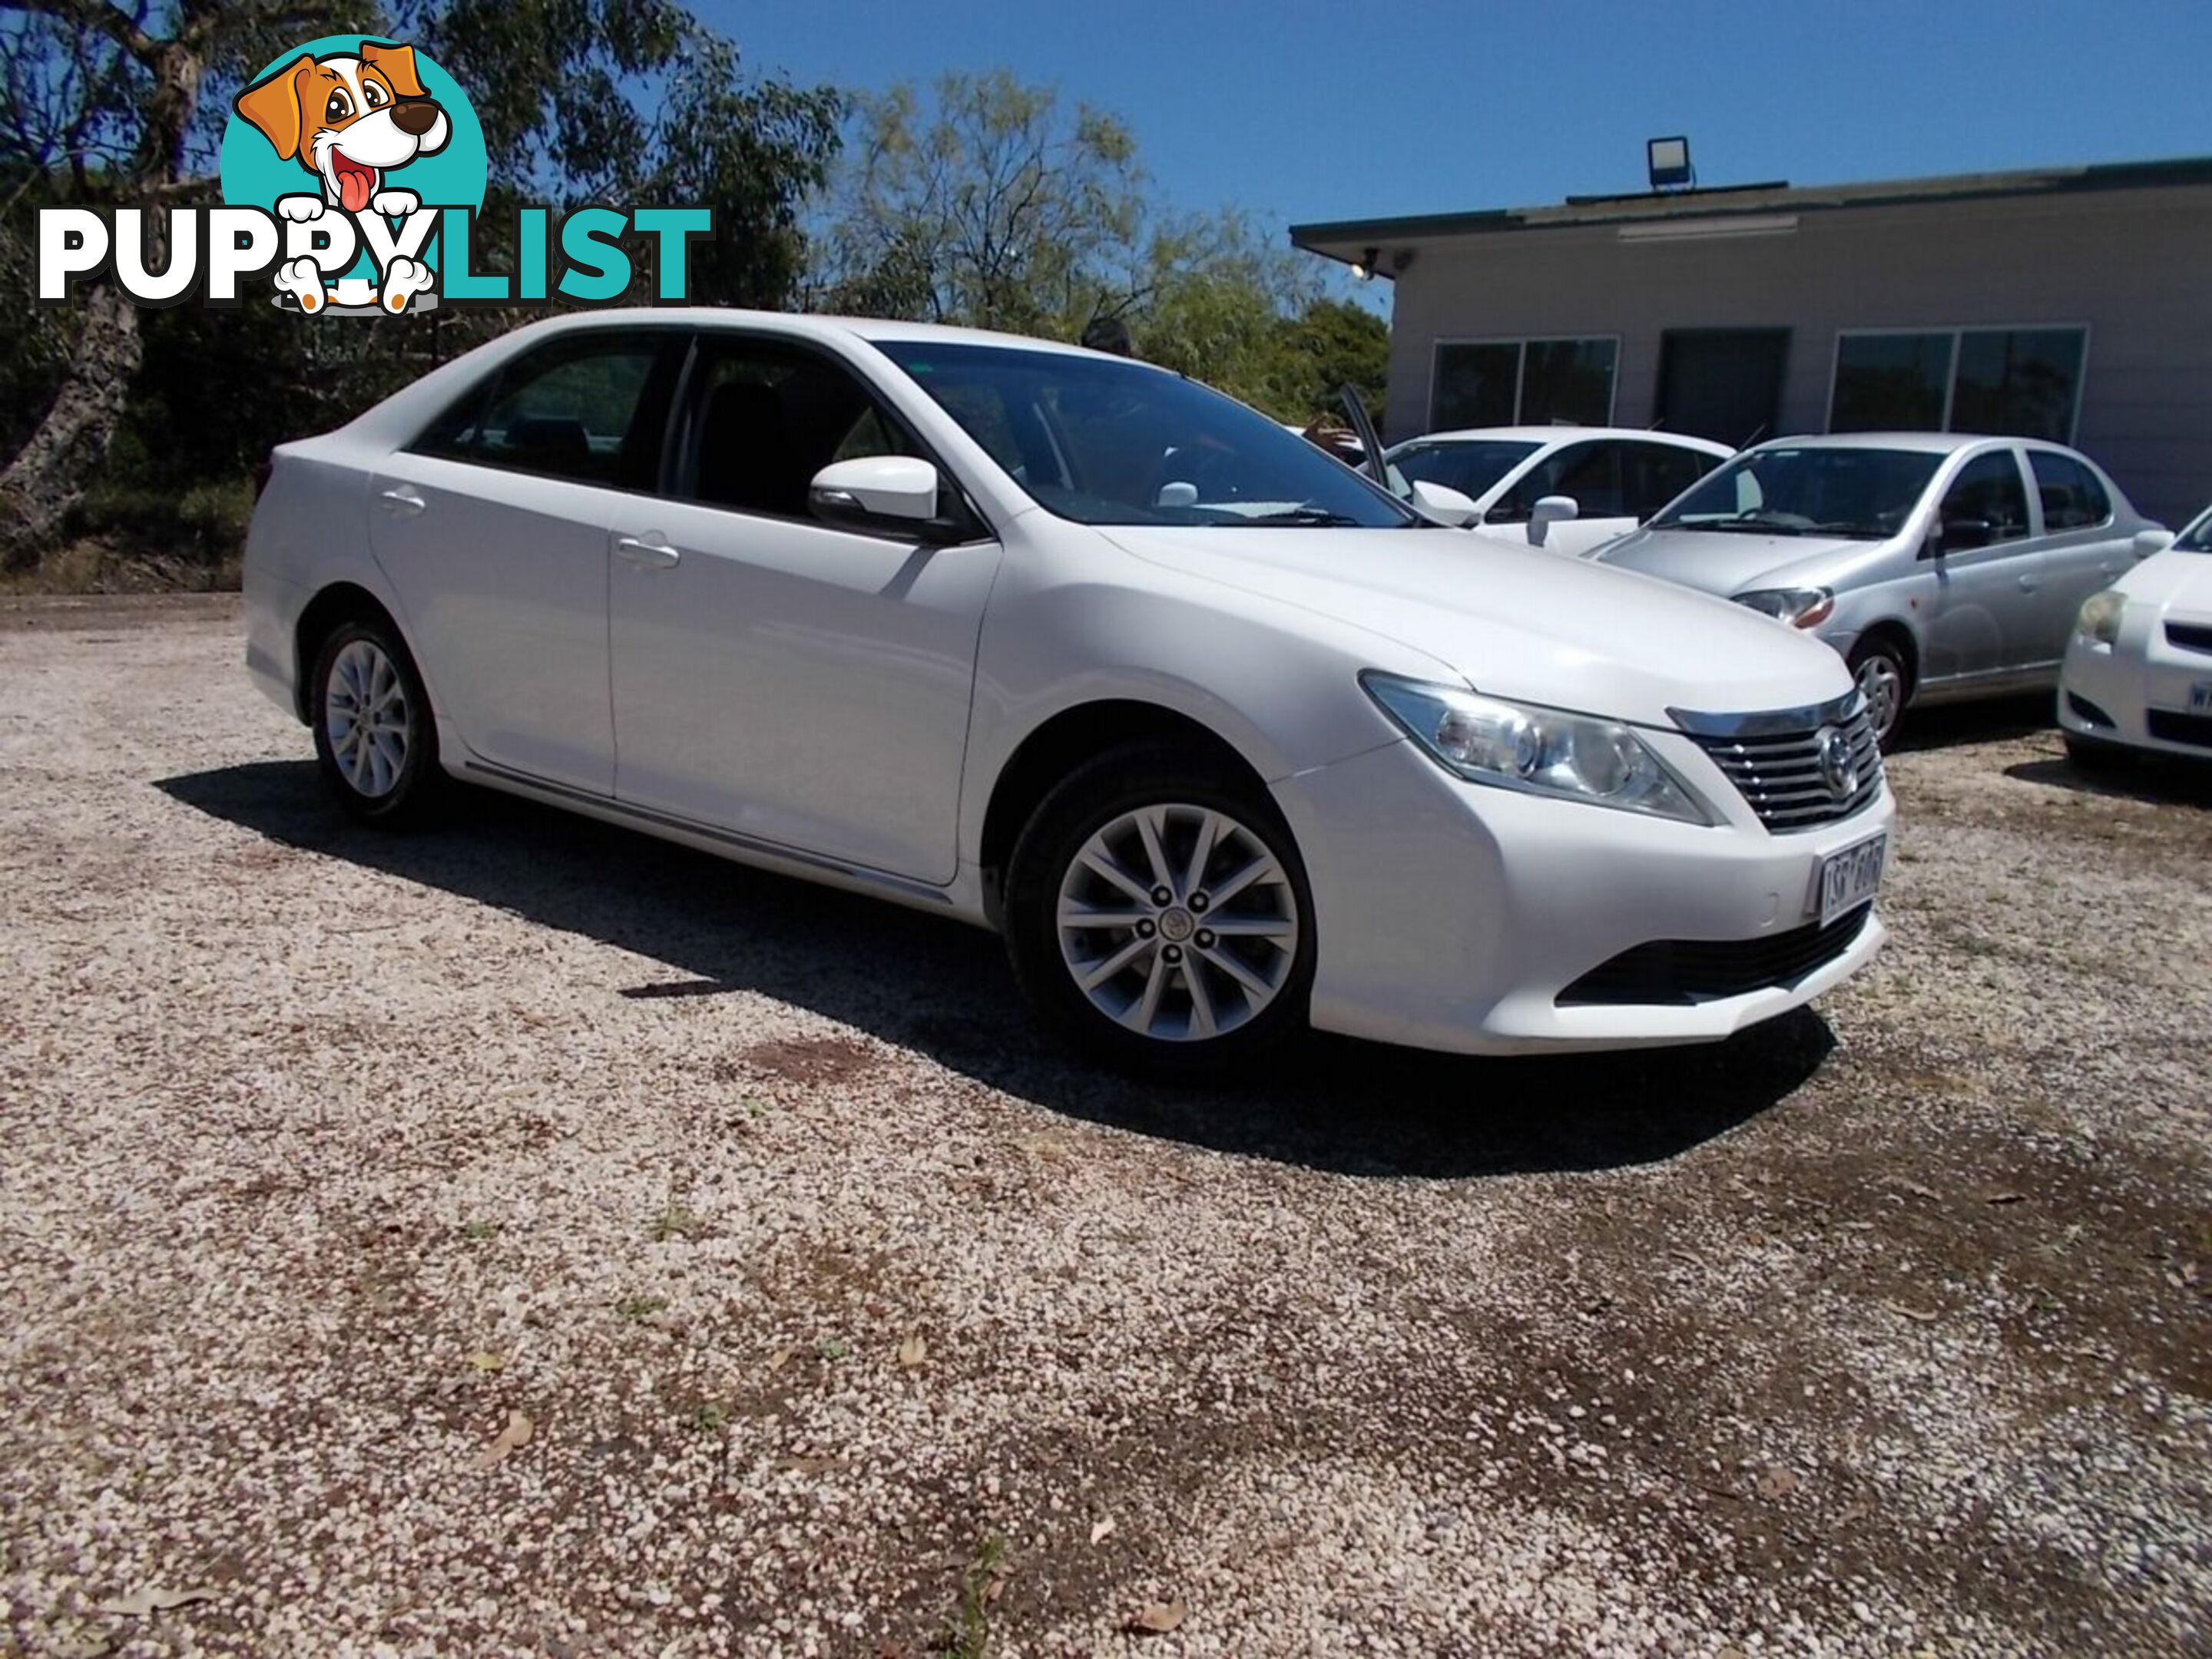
(2007, 382)
(1523, 383)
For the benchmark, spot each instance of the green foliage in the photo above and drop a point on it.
(996, 204)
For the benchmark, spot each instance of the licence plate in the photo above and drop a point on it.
(2200, 697)
(1848, 879)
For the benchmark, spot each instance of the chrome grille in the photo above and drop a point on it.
(1774, 760)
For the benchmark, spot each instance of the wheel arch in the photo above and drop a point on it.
(1896, 633)
(1063, 742)
(339, 603)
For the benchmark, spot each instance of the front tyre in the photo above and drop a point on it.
(1885, 679)
(375, 739)
(1158, 914)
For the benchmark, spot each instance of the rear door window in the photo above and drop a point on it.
(1589, 472)
(2073, 497)
(589, 408)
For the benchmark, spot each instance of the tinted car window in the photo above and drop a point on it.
(1105, 440)
(1988, 487)
(2072, 496)
(762, 418)
(1652, 475)
(587, 409)
(1473, 467)
(1831, 490)
(1589, 472)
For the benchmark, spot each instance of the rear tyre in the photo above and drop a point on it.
(1885, 679)
(375, 740)
(2092, 756)
(1158, 915)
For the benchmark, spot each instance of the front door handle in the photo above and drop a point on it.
(2028, 583)
(401, 501)
(647, 554)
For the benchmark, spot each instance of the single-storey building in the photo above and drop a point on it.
(2074, 304)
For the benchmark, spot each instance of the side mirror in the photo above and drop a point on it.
(1443, 503)
(1964, 535)
(2149, 542)
(1548, 511)
(894, 493)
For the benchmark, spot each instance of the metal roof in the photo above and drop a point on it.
(1347, 239)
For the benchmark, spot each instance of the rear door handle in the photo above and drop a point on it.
(647, 553)
(401, 501)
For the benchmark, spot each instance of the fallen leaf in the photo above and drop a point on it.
(1777, 1482)
(140, 1602)
(486, 1362)
(913, 1350)
(1905, 1184)
(1158, 1618)
(1922, 1315)
(515, 1436)
(2003, 1197)
(1102, 1531)
(781, 1357)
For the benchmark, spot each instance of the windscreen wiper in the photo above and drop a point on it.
(1320, 516)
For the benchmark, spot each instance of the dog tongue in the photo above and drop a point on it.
(354, 184)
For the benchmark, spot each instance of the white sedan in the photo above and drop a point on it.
(1567, 489)
(1222, 736)
(2138, 676)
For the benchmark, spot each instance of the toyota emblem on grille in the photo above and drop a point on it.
(1838, 769)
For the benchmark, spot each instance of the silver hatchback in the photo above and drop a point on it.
(1940, 565)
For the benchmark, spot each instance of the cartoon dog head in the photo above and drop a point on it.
(348, 120)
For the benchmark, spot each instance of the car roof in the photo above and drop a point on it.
(1553, 434)
(801, 326)
(1930, 443)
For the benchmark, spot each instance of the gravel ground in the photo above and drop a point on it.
(525, 1238)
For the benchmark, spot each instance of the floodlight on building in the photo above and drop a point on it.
(1669, 162)
(1363, 268)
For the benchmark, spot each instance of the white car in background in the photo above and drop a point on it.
(2138, 676)
(1221, 736)
(1567, 489)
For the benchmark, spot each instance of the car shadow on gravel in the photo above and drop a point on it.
(1948, 724)
(943, 989)
(2153, 780)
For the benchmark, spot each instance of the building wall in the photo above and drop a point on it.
(2135, 266)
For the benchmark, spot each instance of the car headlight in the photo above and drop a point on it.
(2100, 620)
(1537, 750)
(1801, 607)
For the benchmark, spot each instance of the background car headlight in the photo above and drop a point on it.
(2100, 620)
(1538, 750)
(1801, 607)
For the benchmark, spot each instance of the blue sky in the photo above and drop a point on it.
(1297, 112)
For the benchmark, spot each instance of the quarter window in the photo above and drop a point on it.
(1988, 487)
(1523, 383)
(2011, 382)
(2073, 497)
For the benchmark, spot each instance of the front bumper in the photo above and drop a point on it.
(2125, 681)
(1450, 916)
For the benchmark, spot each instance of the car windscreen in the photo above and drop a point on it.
(1473, 467)
(1864, 493)
(1103, 440)
(2198, 537)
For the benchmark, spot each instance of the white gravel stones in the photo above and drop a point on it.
(322, 1155)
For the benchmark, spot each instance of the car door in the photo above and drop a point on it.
(776, 676)
(1590, 473)
(2084, 545)
(492, 529)
(1986, 576)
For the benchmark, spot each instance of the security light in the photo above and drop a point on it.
(1363, 268)
(1669, 160)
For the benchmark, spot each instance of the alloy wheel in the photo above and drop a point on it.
(368, 718)
(1177, 923)
(1882, 684)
